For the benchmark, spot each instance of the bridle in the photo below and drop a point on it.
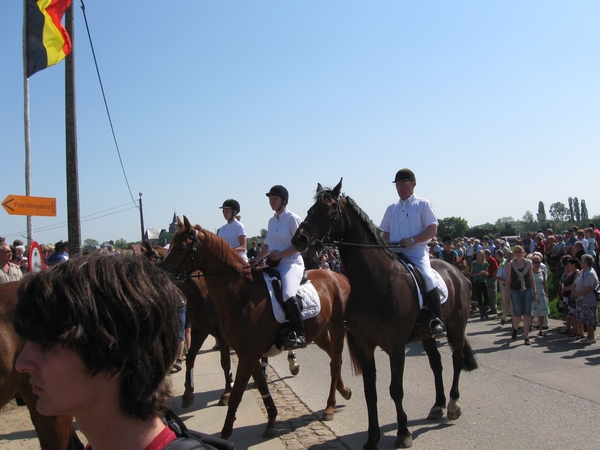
(328, 225)
(186, 272)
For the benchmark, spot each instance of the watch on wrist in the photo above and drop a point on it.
(412, 241)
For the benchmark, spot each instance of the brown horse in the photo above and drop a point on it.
(246, 317)
(202, 316)
(383, 309)
(54, 432)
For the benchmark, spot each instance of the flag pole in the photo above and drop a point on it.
(27, 122)
(73, 219)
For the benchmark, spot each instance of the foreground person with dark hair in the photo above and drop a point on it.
(102, 334)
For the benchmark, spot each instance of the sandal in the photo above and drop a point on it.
(541, 333)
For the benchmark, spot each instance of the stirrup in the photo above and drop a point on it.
(294, 341)
(437, 329)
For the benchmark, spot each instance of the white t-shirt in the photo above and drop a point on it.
(231, 232)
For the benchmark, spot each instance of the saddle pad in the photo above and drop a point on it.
(310, 302)
(440, 284)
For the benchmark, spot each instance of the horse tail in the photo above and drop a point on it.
(356, 370)
(469, 360)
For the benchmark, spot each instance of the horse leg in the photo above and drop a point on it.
(246, 367)
(261, 383)
(198, 338)
(435, 362)
(294, 367)
(397, 359)
(366, 361)
(225, 351)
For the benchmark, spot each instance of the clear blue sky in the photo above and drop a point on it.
(495, 105)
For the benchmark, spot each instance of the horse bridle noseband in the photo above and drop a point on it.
(186, 272)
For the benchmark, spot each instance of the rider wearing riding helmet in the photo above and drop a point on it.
(411, 223)
(278, 247)
(233, 231)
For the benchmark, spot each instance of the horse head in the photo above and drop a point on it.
(154, 253)
(323, 221)
(182, 259)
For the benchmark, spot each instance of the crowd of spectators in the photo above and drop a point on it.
(490, 264)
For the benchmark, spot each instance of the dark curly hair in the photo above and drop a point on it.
(118, 313)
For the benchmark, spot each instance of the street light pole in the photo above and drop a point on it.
(142, 217)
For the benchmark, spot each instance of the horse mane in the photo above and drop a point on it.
(372, 231)
(221, 249)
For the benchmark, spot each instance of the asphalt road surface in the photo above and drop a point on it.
(546, 395)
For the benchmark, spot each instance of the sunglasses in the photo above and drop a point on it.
(6, 251)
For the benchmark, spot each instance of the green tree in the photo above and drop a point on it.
(452, 226)
(528, 218)
(559, 212)
(576, 209)
(90, 244)
(121, 244)
(571, 210)
(263, 233)
(541, 215)
(584, 212)
(165, 237)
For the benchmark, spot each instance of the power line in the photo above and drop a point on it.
(63, 224)
(106, 103)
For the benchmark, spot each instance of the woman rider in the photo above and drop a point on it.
(278, 247)
(233, 231)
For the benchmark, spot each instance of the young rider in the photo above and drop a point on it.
(290, 265)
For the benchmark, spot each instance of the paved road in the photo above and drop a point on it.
(545, 396)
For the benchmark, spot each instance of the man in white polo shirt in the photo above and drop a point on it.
(411, 223)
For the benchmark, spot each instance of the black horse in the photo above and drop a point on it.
(384, 308)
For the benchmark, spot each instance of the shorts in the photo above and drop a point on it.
(521, 301)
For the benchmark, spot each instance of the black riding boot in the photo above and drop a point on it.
(436, 326)
(296, 339)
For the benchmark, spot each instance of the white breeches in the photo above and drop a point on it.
(291, 270)
(420, 258)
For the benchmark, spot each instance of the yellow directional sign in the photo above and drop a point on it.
(26, 205)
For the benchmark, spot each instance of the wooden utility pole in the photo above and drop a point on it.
(73, 219)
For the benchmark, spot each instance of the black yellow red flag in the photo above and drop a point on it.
(47, 41)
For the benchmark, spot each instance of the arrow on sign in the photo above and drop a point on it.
(5, 204)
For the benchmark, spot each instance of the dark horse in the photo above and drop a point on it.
(54, 432)
(246, 316)
(384, 308)
(202, 316)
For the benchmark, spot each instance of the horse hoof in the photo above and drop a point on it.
(348, 395)
(454, 411)
(436, 413)
(327, 417)
(296, 370)
(186, 402)
(269, 433)
(404, 441)
(224, 400)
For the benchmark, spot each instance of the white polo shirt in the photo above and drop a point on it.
(231, 232)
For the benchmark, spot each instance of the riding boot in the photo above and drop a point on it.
(296, 339)
(436, 326)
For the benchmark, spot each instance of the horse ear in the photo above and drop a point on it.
(337, 189)
(319, 187)
(179, 222)
(146, 249)
(186, 223)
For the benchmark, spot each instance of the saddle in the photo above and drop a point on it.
(272, 273)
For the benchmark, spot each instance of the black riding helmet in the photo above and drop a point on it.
(280, 191)
(231, 203)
